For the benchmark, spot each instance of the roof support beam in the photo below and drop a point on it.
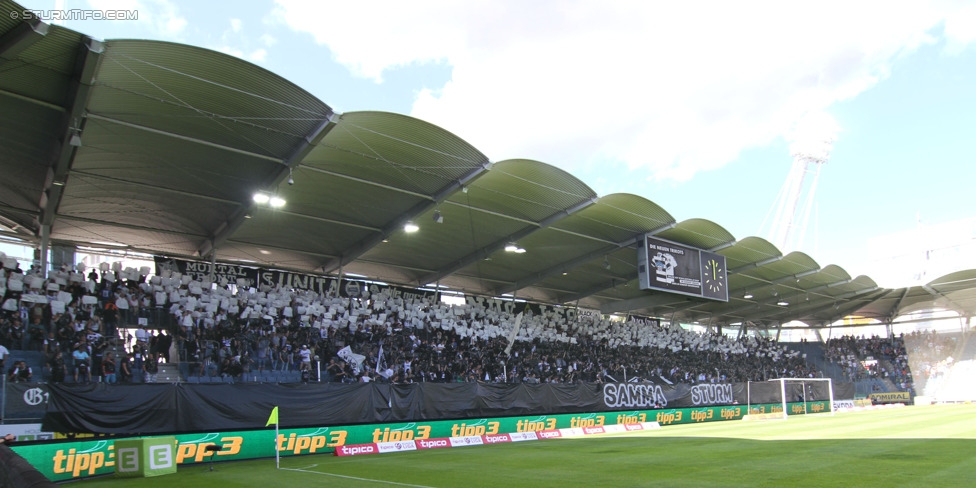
(757, 264)
(21, 37)
(39, 103)
(151, 187)
(892, 313)
(786, 279)
(775, 299)
(576, 262)
(853, 303)
(368, 182)
(616, 306)
(127, 226)
(396, 265)
(561, 268)
(792, 312)
(279, 248)
(357, 249)
(494, 247)
(245, 208)
(24, 211)
(647, 301)
(86, 65)
(328, 220)
(778, 281)
(7, 236)
(951, 305)
(102, 118)
(722, 246)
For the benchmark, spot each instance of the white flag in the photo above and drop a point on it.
(355, 360)
(514, 334)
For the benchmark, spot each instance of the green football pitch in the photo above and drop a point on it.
(923, 446)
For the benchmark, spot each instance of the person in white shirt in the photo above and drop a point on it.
(306, 355)
(141, 335)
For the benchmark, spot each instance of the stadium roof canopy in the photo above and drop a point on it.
(159, 147)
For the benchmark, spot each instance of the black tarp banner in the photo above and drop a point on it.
(172, 408)
(25, 400)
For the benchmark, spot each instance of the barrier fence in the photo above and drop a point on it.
(68, 460)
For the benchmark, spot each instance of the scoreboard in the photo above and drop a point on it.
(675, 268)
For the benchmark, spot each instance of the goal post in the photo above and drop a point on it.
(791, 390)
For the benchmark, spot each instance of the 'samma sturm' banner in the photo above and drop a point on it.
(162, 408)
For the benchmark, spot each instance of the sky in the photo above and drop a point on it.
(696, 106)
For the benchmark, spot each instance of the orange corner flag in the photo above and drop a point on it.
(273, 419)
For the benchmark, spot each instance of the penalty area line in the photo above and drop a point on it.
(354, 477)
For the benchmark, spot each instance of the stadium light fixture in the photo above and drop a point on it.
(265, 198)
(514, 247)
(410, 227)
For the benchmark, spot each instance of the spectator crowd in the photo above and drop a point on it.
(872, 358)
(80, 320)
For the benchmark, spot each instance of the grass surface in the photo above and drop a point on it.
(925, 446)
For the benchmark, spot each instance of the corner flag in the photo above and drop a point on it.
(273, 419)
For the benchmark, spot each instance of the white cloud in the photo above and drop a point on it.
(229, 50)
(370, 37)
(161, 18)
(668, 88)
(960, 28)
(268, 40)
(235, 42)
(257, 55)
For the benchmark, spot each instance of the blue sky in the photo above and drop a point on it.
(694, 107)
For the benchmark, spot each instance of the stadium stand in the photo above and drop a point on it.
(418, 343)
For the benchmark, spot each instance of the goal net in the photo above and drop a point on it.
(792, 395)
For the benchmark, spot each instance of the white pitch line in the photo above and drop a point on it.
(356, 478)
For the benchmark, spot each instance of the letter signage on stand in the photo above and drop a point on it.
(145, 457)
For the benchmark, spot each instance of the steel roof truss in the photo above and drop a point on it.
(359, 248)
(228, 227)
(89, 57)
(480, 254)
